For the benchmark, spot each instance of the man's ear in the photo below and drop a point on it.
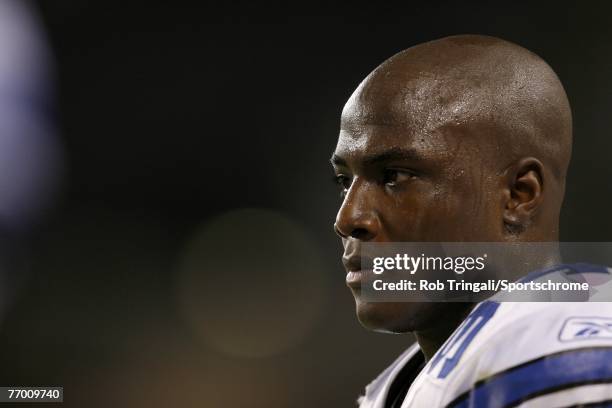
(523, 194)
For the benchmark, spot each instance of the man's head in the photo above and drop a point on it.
(466, 138)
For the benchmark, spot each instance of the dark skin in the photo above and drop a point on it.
(462, 139)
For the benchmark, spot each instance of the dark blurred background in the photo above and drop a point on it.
(181, 252)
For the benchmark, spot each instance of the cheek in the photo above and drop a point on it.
(431, 215)
(475, 216)
(426, 215)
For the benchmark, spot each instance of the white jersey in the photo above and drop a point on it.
(528, 354)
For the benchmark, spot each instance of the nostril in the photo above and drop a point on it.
(361, 234)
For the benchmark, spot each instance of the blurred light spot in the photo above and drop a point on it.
(177, 379)
(30, 154)
(252, 283)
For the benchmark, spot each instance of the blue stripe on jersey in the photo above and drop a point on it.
(541, 376)
(468, 331)
(571, 269)
(585, 267)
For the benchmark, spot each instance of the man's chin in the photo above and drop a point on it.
(394, 317)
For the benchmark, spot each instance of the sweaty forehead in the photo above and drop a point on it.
(356, 144)
(449, 82)
(423, 101)
(396, 110)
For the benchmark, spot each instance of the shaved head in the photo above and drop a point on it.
(471, 81)
(500, 97)
(465, 138)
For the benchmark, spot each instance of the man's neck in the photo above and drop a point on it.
(431, 339)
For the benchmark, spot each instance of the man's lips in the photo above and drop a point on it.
(354, 279)
(355, 263)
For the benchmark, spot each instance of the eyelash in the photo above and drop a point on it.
(387, 175)
(389, 179)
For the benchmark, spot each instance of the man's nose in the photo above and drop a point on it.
(357, 217)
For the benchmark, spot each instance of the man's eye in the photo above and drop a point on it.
(344, 182)
(393, 177)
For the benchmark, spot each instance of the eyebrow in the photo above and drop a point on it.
(395, 153)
